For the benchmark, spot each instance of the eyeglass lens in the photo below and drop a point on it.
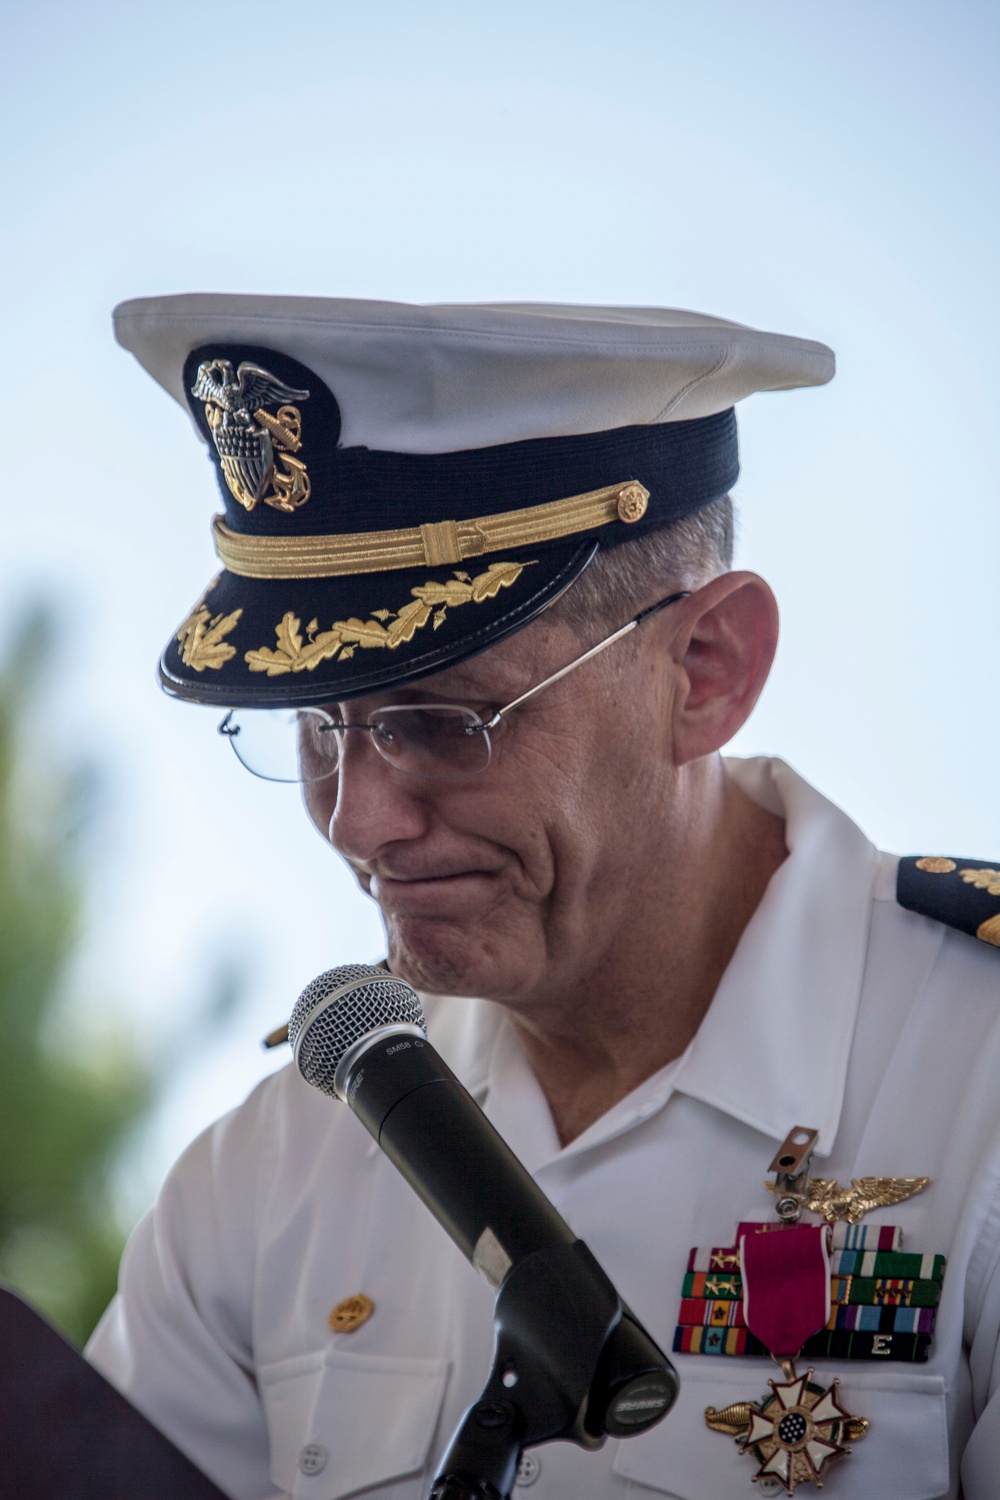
(433, 740)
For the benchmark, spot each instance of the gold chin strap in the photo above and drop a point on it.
(438, 544)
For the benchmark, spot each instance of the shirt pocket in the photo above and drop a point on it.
(352, 1421)
(904, 1454)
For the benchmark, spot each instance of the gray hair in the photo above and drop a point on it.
(622, 580)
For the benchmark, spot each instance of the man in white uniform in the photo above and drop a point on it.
(647, 963)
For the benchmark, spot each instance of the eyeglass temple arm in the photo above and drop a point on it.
(587, 655)
(653, 609)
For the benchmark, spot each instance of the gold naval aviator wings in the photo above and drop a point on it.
(825, 1196)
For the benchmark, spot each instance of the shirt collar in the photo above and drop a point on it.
(773, 1048)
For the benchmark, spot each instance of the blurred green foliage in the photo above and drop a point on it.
(68, 1104)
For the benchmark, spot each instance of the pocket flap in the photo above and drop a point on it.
(370, 1417)
(905, 1453)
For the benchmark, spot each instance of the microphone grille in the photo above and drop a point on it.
(339, 1008)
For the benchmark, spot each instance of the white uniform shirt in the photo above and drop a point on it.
(839, 1010)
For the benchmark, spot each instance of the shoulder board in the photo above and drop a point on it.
(963, 893)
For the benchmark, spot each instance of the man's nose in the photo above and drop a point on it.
(375, 804)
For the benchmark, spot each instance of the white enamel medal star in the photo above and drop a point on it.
(795, 1433)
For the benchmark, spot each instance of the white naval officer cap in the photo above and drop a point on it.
(404, 485)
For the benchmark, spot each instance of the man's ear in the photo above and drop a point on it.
(723, 655)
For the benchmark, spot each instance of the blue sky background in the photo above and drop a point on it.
(824, 171)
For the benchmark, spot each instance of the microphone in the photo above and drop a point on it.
(358, 1034)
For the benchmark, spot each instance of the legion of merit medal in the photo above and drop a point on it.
(835, 1290)
(798, 1430)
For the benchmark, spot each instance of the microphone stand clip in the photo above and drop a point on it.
(569, 1362)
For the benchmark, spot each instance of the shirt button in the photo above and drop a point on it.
(312, 1458)
(528, 1470)
(769, 1485)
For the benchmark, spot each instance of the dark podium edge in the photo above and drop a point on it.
(66, 1433)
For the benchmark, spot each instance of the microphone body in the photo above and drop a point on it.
(434, 1132)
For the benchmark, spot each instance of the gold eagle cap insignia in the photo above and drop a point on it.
(255, 446)
(825, 1196)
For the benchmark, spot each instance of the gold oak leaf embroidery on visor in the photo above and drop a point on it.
(386, 629)
(202, 636)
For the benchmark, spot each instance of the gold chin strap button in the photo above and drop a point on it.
(351, 1313)
(633, 502)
